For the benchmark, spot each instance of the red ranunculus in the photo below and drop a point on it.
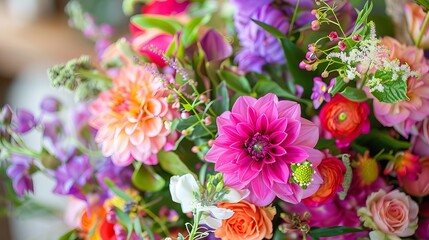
(332, 171)
(165, 7)
(344, 119)
(106, 231)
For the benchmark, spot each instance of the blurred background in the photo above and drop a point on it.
(34, 35)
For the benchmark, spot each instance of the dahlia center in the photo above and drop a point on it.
(257, 146)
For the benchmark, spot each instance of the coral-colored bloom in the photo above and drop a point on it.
(91, 219)
(130, 117)
(249, 222)
(415, 17)
(367, 169)
(332, 170)
(265, 146)
(404, 115)
(344, 119)
(390, 214)
(418, 187)
(405, 164)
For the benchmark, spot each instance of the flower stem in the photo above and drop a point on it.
(423, 30)
(197, 218)
(292, 22)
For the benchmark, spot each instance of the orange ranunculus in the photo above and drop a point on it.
(249, 222)
(332, 170)
(345, 119)
(90, 220)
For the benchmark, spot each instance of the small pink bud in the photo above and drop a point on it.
(310, 56)
(184, 115)
(325, 74)
(333, 36)
(311, 48)
(210, 142)
(203, 98)
(342, 45)
(357, 38)
(315, 25)
(207, 121)
(302, 65)
(195, 149)
(313, 12)
(308, 67)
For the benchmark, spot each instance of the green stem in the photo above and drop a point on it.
(423, 30)
(292, 22)
(195, 226)
(157, 220)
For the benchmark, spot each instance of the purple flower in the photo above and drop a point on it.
(52, 129)
(120, 176)
(321, 91)
(19, 172)
(247, 7)
(23, 121)
(423, 229)
(215, 47)
(72, 176)
(50, 105)
(258, 46)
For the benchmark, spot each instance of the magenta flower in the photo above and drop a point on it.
(265, 146)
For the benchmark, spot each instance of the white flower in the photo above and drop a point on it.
(186, 191)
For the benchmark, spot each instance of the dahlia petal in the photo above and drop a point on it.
(293, 129)
(231, 180)
(242, 104)
(278, 172)
(289, 109)
(152, 126)
(277, 137)
(244, 129)
(262, 124)
(236, 118)
(122, 159)
(157, 143)
(214, 153)
(107, 148)
(283, 191)
(139, 155)
(223, 120)
(276, 151)
(120, 143)
(308, 135)
(153, 107)
(295, 154)
(252, 116)
(314, 156)
(258, 188)
(151, 160)
(278, 125)
(231, 133)
(294, 198)
(267, 105)
(246, 174)
(257, 165)
(137, 137)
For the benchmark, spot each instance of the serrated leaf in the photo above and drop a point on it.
(222, 99)
(236, 83)
(146, 179)
(393, 90)
(354, 94)
(331, 231)
(165, 24)
(171, 163)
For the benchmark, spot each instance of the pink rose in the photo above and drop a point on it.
(390, 214)
(420, 186)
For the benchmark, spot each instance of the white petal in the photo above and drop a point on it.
(173, 184)
(184, 190)
(212, 222)
(234, 196)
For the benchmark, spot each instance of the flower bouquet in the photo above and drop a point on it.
(257, 119)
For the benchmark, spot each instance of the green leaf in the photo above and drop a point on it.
(377, 140)
(118, 192)
(222, 103)
(166, 24)
(187, 122)
(354, 94)
(331, 231)
(71, 235)
(393, 90)
(146, 179)
(363, 16)
(125, 220)
(171, 163)
(338, 86)
(294, 56)
(236, 83)
(190, 31)
(424, 3)
(128, 6)
(147, 230)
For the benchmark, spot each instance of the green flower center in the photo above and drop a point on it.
(302, 173)
(342, 117)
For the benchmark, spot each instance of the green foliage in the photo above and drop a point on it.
(71, 235)
(362, 17)
(118, 192)
(424, 3)
(317, 233)
(125, 220)
(190, 31)
(237, 83)
(171, 163)
(222, 99)
(165, 24)
(393, 90)
(128, 6)
(354, 94)
(146, 179)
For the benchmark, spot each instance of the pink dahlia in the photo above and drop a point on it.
(130, 117)
(265, 146)
(404, 115)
